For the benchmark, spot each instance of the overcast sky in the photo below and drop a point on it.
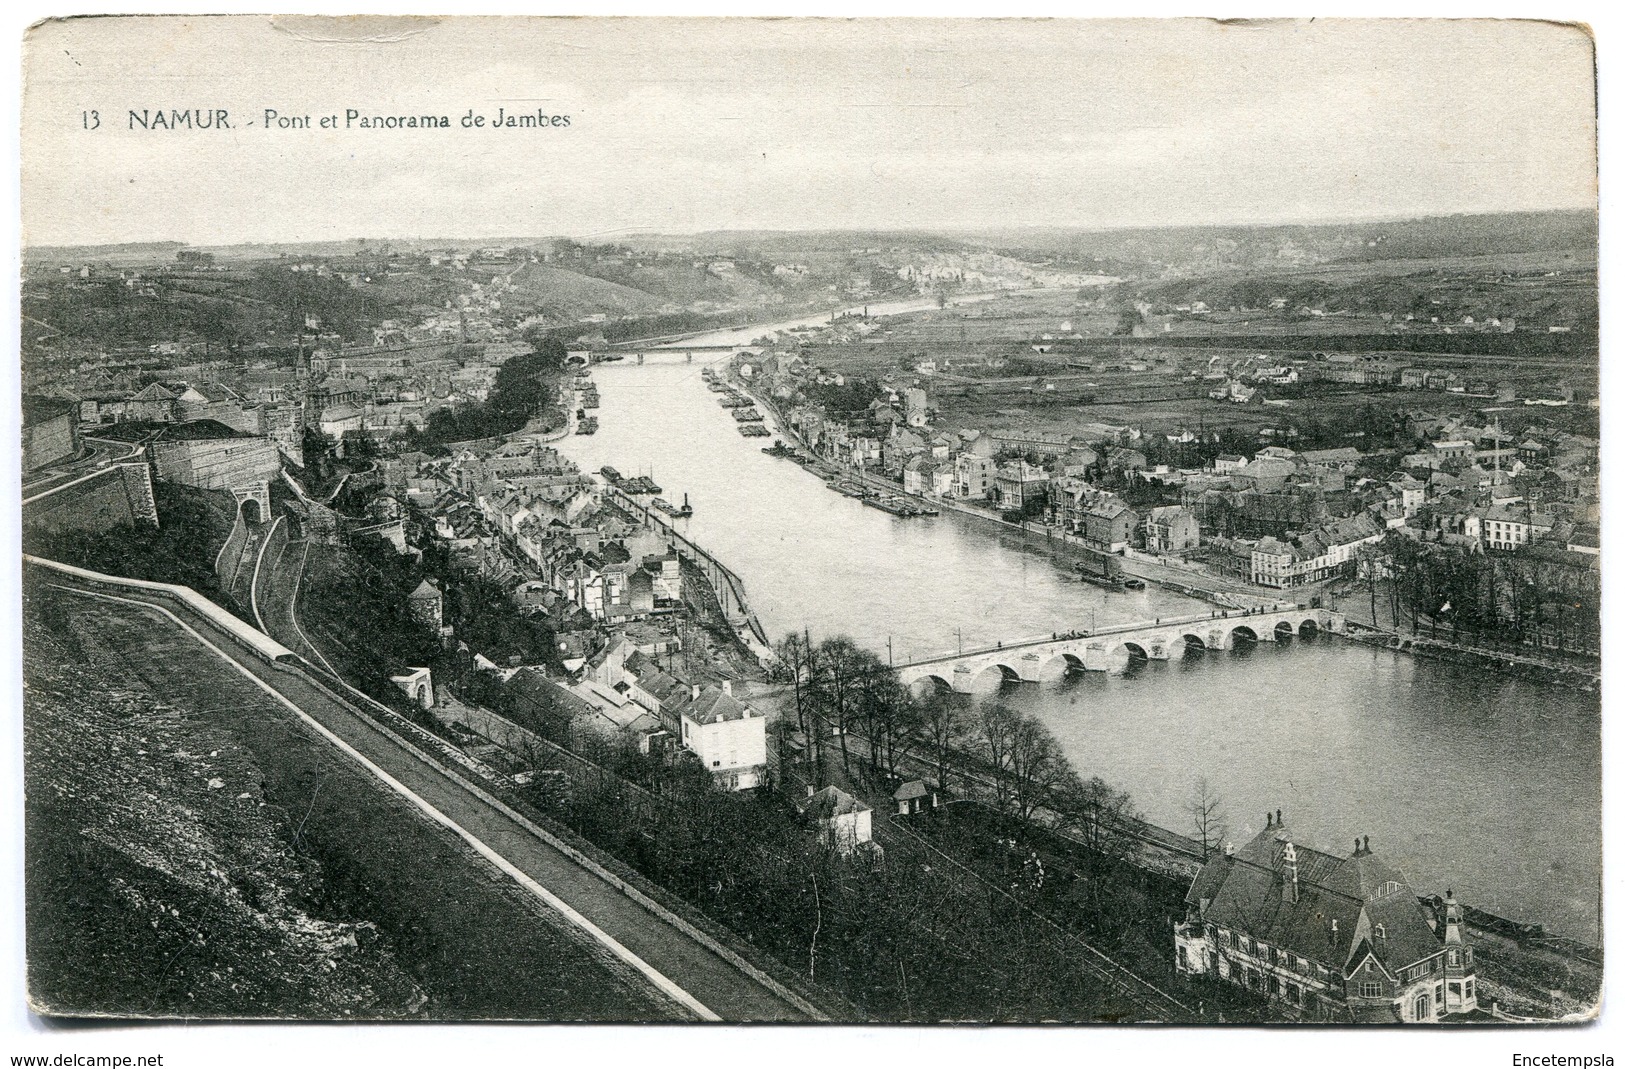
(695, 125)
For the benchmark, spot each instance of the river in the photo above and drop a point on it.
(1465, 779)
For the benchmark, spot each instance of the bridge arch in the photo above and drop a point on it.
(1309, 628)
(1060, 666)
(1126, 656)
(1284, 631)
(928, 683)
(991, 677)
(1242, 635)
(1194, 646)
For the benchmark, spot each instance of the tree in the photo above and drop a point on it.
(1371, 568)
(943, 725)
(889, 716)
(844, 664)
(995, 736)
(1040, 775)
(1207, 817)
(1106, 822)
(1030, 772)
(791, 665)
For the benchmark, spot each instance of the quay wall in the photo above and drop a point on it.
(729, 587)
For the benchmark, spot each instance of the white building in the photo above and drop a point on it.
(844, 823)
(729, 739)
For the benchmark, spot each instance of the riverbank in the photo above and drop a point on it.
(727, 589)
(1535, 670)
(1201, 586)
(1369, 735)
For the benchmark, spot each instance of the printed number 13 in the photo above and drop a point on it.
(90, 120)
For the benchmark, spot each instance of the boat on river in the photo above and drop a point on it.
(897, 506)
(1101, 569)
(669, 509)
(639, 484)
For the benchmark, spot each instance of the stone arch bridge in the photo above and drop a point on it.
(1115, 648)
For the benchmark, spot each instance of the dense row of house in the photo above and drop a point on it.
(344, 393)
(524, 516)
(1279, 518)
(1230, 377)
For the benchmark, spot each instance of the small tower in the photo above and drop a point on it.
(1289, 873)
(1461, 987)
(426, 605)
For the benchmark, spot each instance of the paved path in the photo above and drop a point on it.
(715, 988)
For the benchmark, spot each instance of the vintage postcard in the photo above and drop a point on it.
(818, 521)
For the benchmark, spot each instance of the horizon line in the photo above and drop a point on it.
(947, 230)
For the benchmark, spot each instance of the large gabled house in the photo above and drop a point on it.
(728, 737)
(1328, 938)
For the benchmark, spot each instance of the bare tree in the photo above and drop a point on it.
(791, 666)
(801, 664)
(844, 665)
(889, 716)
(995, 732)
(1206, 811)
(944, 726)
(1104, 820)
(1029, 770)
(1040, 774)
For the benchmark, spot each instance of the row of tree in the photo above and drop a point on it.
(844, 692)
(1513, 597)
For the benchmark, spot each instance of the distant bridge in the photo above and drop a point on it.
(636, 355)
(1114, 648)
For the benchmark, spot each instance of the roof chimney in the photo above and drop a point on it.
(1277, 818)
(694, 692)
(1367, 847)
(728, 687)
(1356, 847)
(1269, 821)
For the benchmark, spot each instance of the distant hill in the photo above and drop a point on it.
(1209, 249)
(560, 293)
(135, 250)
(798, 245)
